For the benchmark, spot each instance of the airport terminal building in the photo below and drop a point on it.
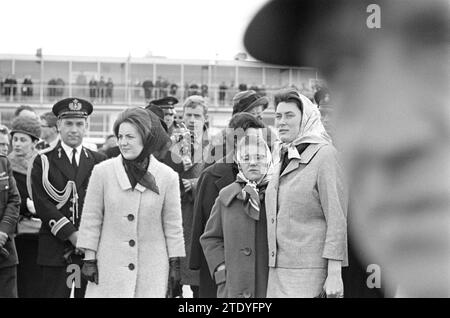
(113, 84)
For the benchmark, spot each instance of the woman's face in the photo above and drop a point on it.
(129, 141)
(253, 161)
(22, 144)
(287, 121)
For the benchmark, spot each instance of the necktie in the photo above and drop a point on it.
(74, 161)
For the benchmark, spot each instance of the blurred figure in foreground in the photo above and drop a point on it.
(387, 65)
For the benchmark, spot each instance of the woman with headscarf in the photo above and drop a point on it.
(235, 238)
(306, 205)
(25, 132)
(131, 228)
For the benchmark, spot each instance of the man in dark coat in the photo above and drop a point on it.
(59, 180)
(211, 181)
(9, 215)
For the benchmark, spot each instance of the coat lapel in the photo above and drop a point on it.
(272, 191)
(121, 175)
(293, 165)
(62, 162)
(87, 162)
(304, 158)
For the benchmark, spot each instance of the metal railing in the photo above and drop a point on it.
(121, 95)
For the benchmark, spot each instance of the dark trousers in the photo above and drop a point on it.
(28, 271)
(207, 287)
(195, 291)
(8, 282)
(55, 281)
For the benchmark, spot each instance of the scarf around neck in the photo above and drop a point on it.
(252, 194)
(20, 163)
(137, 169)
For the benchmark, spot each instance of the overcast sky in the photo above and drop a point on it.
(190, 29)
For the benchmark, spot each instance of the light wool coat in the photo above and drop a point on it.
(133, 232)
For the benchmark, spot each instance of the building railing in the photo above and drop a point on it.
(123, 95)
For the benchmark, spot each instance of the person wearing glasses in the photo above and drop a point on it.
(235, 238)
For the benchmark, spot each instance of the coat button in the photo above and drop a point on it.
(132, 243)
(273, 220)
(273, 254)
(131, 266)
(130, 217)
(6, 187)
(247, 251)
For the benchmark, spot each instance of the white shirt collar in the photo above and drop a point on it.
(68, 150)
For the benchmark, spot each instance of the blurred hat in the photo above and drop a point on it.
(158, 112)
(72, 108)
(168, 102)
(300, 32)
(246, 100)
(26, 125)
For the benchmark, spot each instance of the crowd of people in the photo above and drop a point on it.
(281, 212)
(214, 225)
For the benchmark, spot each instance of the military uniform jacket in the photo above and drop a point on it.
(59, 224)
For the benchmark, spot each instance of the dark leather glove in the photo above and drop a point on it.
(89, 271)
(174, 285)
(4, 253)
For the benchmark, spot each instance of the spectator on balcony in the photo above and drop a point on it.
(147, 85)
(27, 87)
(51, 88)
(109, 90)
(81, 82)
(204, 89)
(6, 86)
(158, 85)
(10, 87)
(222, 93)
(59, 87)
(101, 85)
(164, 88)
(93, 89)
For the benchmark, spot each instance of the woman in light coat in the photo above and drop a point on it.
(131, 227)
(306, 205)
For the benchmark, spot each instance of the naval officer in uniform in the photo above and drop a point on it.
(59, 179)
